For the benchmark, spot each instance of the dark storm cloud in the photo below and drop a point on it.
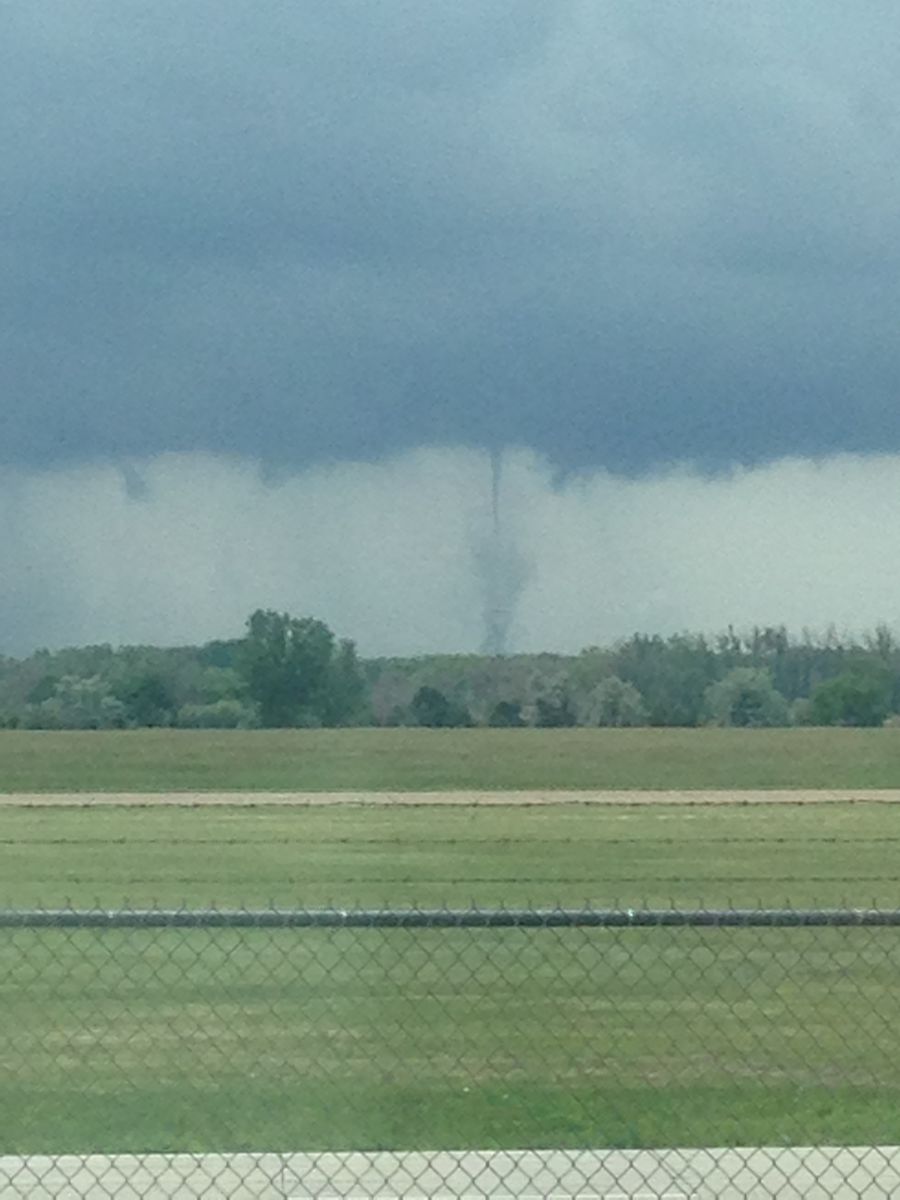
(623, 233)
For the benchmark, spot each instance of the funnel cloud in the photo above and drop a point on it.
(501, 567)
(405, 555)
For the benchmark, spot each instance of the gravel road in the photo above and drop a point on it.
(424, 799)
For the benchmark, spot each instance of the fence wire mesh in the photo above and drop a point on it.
(501, 1053)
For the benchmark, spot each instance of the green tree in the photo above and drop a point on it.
(208, 685)
(296, 673)
(506, 714)
(148, 700)
(859, 696)
(746, 697)
(344, 699)
(554, 710)
(671, 674)
(43, 690)
(615, 703)
(429, 707)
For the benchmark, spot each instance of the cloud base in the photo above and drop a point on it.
(179, 548)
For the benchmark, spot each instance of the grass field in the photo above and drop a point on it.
(226, 1040)
(744, 855)
(434, 760)
(192, 1040)
(230, 1040)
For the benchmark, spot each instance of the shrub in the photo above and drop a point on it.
(78, 704)
(613, 702)
(432, 709)
(747, 698)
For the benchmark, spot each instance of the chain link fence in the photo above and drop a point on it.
(483, 1053)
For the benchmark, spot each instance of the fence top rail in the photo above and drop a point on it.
(441, 918)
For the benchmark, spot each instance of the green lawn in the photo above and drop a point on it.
(201, 1040)
(431, 760)
(228, 1040)
(544, 855)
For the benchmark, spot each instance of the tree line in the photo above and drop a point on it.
(291, 671)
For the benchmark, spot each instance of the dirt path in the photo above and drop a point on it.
(424, 799)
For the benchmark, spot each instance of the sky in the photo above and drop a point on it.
(276, 281)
